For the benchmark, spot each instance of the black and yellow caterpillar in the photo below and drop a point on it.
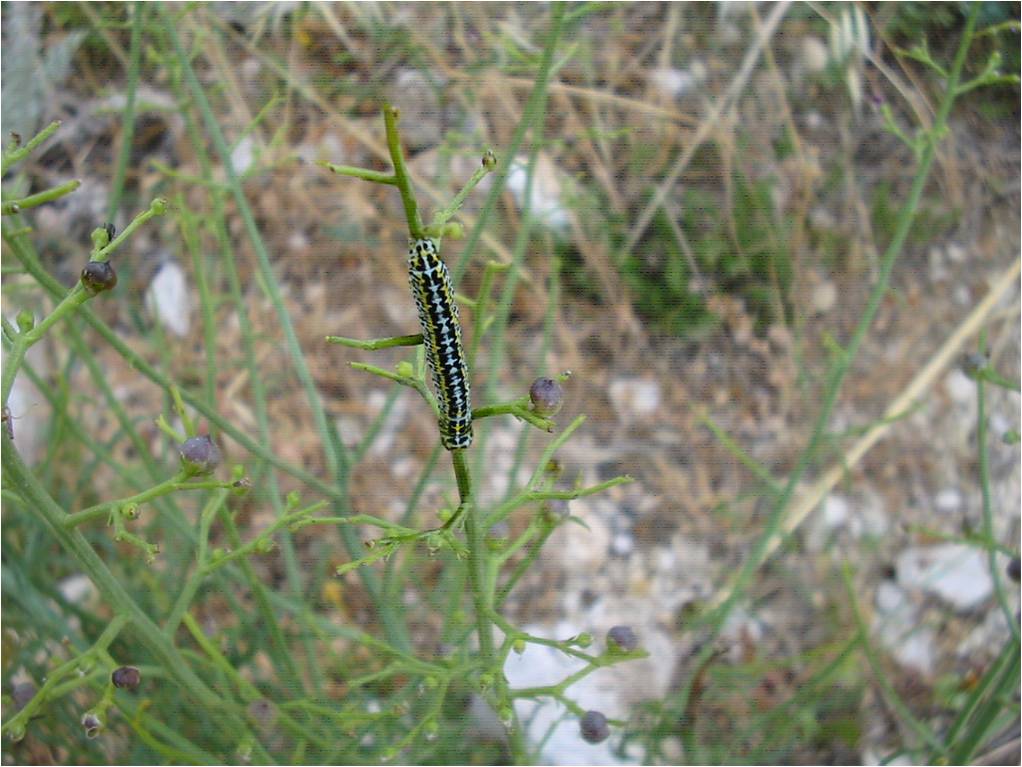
(441, 335)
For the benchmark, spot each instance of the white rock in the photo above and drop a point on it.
(953, 572)
(814, 54)
(168, 299)
(622, 544)
(835, 511)
(961, 388)
(948, 500)
(547, 187)
(77, 589)
(243, 155)
(891, 598)
(824, 297)
(674, 82)
(634, 398)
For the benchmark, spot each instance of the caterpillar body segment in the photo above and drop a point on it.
(441, 336)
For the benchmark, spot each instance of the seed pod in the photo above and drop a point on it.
(622, 638)
(126, 677)
(98, 276)
(199, 455)
(547, 396)
(92, 723)
(593, 727)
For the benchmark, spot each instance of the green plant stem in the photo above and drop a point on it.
(375, 344)
(138, 10)
(892, 697)
(1000, 675)
(10, 157)
(39, 503)
(363, 173)
(476, 558)
(11, 207)
(988, 511)
(179, 481)
(445, 214)
(391, 115)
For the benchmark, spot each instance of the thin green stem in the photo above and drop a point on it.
(892, 697)
(12, 207)
(179, 481)
(988, 511)
(138, 10)
(376, 344)
(17, 154)
(401, 179)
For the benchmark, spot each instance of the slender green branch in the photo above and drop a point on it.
(375, 344)
(401, 178)
(179, 481)
(889, 694)
(16, 153)
(12, 207)
(16, 725)
(363, 173)
(988, 513)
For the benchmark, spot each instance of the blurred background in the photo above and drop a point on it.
(713, 190)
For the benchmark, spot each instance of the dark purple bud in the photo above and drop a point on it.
(622, 638)
(547, 396)
(98, 276)
(1014, 568)
(199, 455)
(594, 727)
(126, 677)
(92, 724)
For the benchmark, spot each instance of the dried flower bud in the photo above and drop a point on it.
(92, 723)
(199, 455)
(547, 396)
(555, 510)
(973, 363)
(98, 276)
(489, 160)
(126, 677)
(22, 693)
(1014, 568)
(622, 638)
(593, 727)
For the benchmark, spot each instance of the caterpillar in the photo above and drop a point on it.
(441, 335)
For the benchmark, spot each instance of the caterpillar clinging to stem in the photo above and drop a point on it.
(441, 336)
